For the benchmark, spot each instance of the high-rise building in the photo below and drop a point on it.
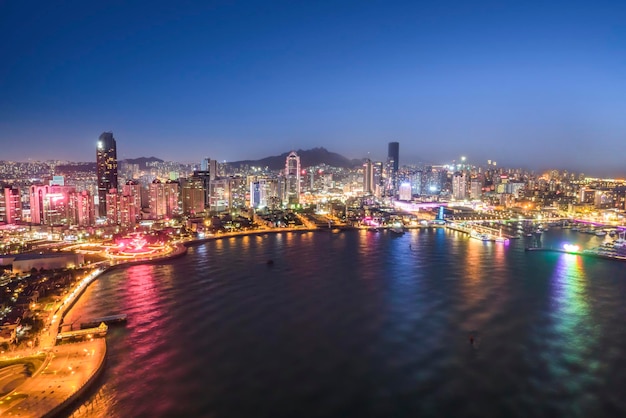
(393, 158)
(262, 191)
(12, 204)
(81, 209)
(163, 199)
(192, 196)
(106, 161)
(459, 185)
(49, 205)
(113, 207)
(368, 177)
(292, 179)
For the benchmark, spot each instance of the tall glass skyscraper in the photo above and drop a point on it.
(292, 177)
(106, 161)
(393, 157)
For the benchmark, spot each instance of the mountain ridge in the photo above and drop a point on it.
(308, 158)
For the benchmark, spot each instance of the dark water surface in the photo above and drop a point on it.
(359, 324)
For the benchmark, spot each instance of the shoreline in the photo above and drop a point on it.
(33, 404)
(97, 362)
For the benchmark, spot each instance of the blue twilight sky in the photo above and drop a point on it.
(526, 83)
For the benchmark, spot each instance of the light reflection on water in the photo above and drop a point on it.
(363, 324)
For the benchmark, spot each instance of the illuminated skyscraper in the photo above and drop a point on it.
(106, 161)
(393, 158)
(368, 177)
(292, 177)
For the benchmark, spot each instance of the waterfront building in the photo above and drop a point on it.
(192, 196)
(292, 179)
(106, 162)
(24, 263)
(227, 194)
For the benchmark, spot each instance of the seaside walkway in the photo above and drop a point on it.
(64, 375)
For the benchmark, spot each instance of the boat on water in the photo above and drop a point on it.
(600, 233)
(397, 230)
(501, 239)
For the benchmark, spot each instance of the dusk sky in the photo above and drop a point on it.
(531, 84)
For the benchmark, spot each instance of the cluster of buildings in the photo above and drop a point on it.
(123, 194)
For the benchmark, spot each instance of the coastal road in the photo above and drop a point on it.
(69, 367)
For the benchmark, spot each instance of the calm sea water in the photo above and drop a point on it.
(359, 324)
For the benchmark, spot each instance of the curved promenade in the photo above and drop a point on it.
(69, 369)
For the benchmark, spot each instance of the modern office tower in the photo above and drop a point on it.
(368, 177)
(459, 186)
(12, 204)
(106, 161)
(81, 209)
(192, 196)
(163, 199)
(393, 158)
(292, 179)
(262, 191)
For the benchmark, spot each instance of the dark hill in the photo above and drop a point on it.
(308, 158)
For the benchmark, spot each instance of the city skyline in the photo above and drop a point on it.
(528, 85)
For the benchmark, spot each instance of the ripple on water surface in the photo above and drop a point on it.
(363, 324)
